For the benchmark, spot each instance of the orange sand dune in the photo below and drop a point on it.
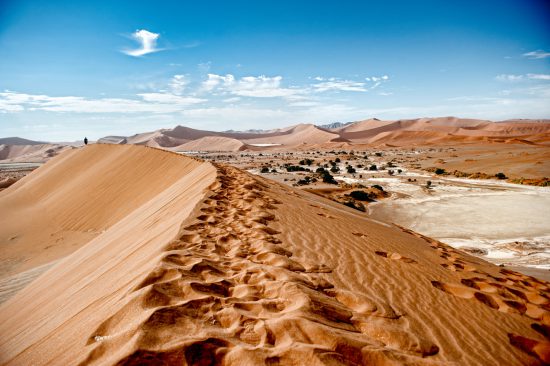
(75, 197)
(405, 132)
(297, 135)
(222, 267)
(212, 143)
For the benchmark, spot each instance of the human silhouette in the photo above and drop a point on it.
(85, 141)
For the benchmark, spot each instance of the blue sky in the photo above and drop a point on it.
(94, 68)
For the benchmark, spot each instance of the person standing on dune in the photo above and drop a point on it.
(85, 141)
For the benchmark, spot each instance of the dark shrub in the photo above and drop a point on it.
(328, 178)
(296, 168)
(362, 196)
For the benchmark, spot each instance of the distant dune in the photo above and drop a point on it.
(367, 133)
(18, 141)
(192, 263)
(372, 132)
(30, 153)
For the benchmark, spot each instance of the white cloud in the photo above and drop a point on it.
(304, 104)
(539, 76)
(537, 54)
(509, 77)
(337, 84)
(149, 102)
(516, 78)
(147, 41)
(178, 83)
(170, 99)
(232, 100)
(248, 86)
(333, 84)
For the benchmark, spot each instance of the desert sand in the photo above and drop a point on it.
(212, 265)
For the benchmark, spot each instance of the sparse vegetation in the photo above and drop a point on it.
(296, 168)
(328, 178)
(362, 196)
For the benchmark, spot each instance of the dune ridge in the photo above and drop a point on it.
(224, 267)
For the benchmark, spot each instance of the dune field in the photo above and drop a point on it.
(165, 259)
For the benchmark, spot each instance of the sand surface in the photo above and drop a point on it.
(223, 267)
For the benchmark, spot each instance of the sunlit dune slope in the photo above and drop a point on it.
(77, 195)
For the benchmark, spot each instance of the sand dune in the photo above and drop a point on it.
(75, 197)
(18, 141)
(298, 135)
(212, 143)
(222, 267)
(30, 153)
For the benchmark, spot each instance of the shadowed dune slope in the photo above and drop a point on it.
(76, 196)
(228, 268)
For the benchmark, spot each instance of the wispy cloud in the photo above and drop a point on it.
(147, 41)
(337, 84)
(248, 86)
(509, 77)
(538, 54)
(178, 84)
(516, 78)
(334, 84)
(147, 102)
(538, 76)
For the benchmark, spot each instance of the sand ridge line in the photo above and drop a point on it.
(229, 291)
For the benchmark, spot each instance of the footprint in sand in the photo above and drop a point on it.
(538, 349)
(395, 256)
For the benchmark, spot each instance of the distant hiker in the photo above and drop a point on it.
(85, 141)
